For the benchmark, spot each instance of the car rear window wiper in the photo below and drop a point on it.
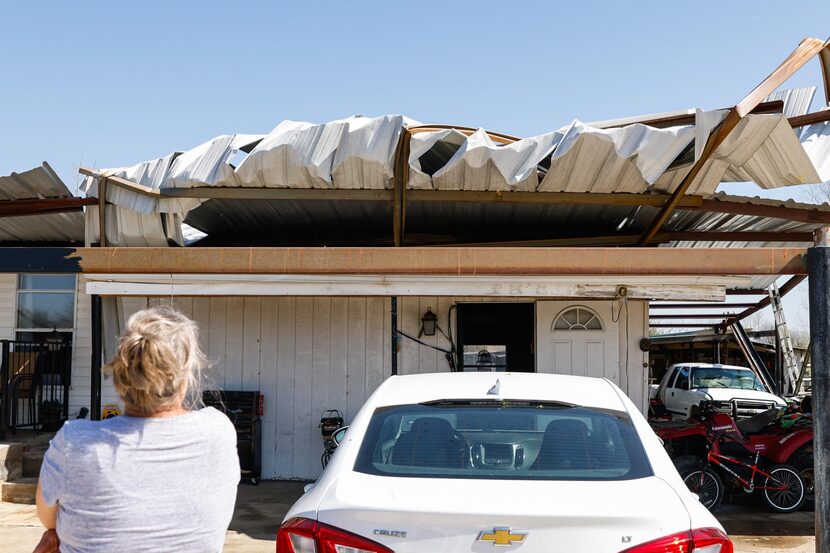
(500, 403)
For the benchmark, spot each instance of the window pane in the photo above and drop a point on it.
(45, 310)
(47, 282)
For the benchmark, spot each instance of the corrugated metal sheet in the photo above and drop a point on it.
(126, 227)
(797, 101)
(816, 142)
(39, 183)
(763, 149)
(358, 153)
(626, 159)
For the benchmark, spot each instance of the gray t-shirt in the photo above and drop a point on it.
(143, 484)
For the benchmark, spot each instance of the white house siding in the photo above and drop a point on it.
(8, 305)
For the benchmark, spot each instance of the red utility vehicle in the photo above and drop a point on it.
(767, 452)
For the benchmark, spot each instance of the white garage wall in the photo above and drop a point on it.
(304, 355)
(308, 354)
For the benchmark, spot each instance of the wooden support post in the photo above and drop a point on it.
(818, 262)
(401, 179)
(824, 58)
(394, 335)
(4, 389)
(102, 211)
(97, 358)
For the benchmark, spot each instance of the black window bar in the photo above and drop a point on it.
(34, 385)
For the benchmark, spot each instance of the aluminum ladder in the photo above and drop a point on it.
(792, 371)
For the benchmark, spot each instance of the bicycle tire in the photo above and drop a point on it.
(791, 499)
(706, 484)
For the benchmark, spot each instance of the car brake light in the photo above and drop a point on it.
(702, 540)
(302, 535)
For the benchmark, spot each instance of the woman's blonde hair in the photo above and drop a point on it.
(157, 356)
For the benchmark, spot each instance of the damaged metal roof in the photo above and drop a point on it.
(40, 183)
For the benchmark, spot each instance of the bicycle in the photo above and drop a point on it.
(331, 420)
(782, 485)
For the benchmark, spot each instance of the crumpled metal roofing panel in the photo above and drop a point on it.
(479, 163)
(359, 153)
(53, 227)
(39, 183)
(763, 149)
(625, 159)
(797, 101)
(126, 227)
(816, 142)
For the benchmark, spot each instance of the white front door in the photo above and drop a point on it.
(577, 338)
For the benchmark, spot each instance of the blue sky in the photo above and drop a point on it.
(112, 83)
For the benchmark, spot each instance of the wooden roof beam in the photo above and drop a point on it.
(720, 316)
(23, 208)
(719, 305)
(765, 301)
(448, 261)
(799, 214)
(684, 325)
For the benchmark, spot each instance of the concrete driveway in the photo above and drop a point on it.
(260, 510)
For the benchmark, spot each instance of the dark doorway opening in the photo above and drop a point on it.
(496, 337)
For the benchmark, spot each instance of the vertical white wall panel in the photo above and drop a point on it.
(304, 437)
(284, 408)
(216, 331)
(269, 355)
(8, 305)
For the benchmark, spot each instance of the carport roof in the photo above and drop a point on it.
(39, 192)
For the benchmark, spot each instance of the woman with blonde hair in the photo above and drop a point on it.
(163, 476)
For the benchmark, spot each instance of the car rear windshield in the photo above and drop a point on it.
(502, 440)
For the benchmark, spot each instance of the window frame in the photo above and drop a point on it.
(19, 291)
(577, 308)
(688, 378)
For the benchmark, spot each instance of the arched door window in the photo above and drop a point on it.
(577, 318)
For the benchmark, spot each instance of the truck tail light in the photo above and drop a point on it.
(701, 540)
(302, 535)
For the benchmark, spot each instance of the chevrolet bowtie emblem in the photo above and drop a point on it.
(501, 535)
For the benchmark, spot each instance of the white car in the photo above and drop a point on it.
(494, 462)
(685, 385)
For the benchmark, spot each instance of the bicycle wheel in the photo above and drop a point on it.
(793, 493)
(706, 484)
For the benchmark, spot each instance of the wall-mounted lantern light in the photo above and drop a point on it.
(428, 323)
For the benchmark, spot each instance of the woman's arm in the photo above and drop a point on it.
(48, 514)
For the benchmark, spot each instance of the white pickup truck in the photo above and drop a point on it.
(685, 385)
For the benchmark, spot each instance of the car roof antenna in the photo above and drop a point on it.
(494, 391)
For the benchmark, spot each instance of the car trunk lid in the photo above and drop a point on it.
(412, 515)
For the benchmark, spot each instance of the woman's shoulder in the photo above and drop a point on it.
(80, 433)
(216, 420)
